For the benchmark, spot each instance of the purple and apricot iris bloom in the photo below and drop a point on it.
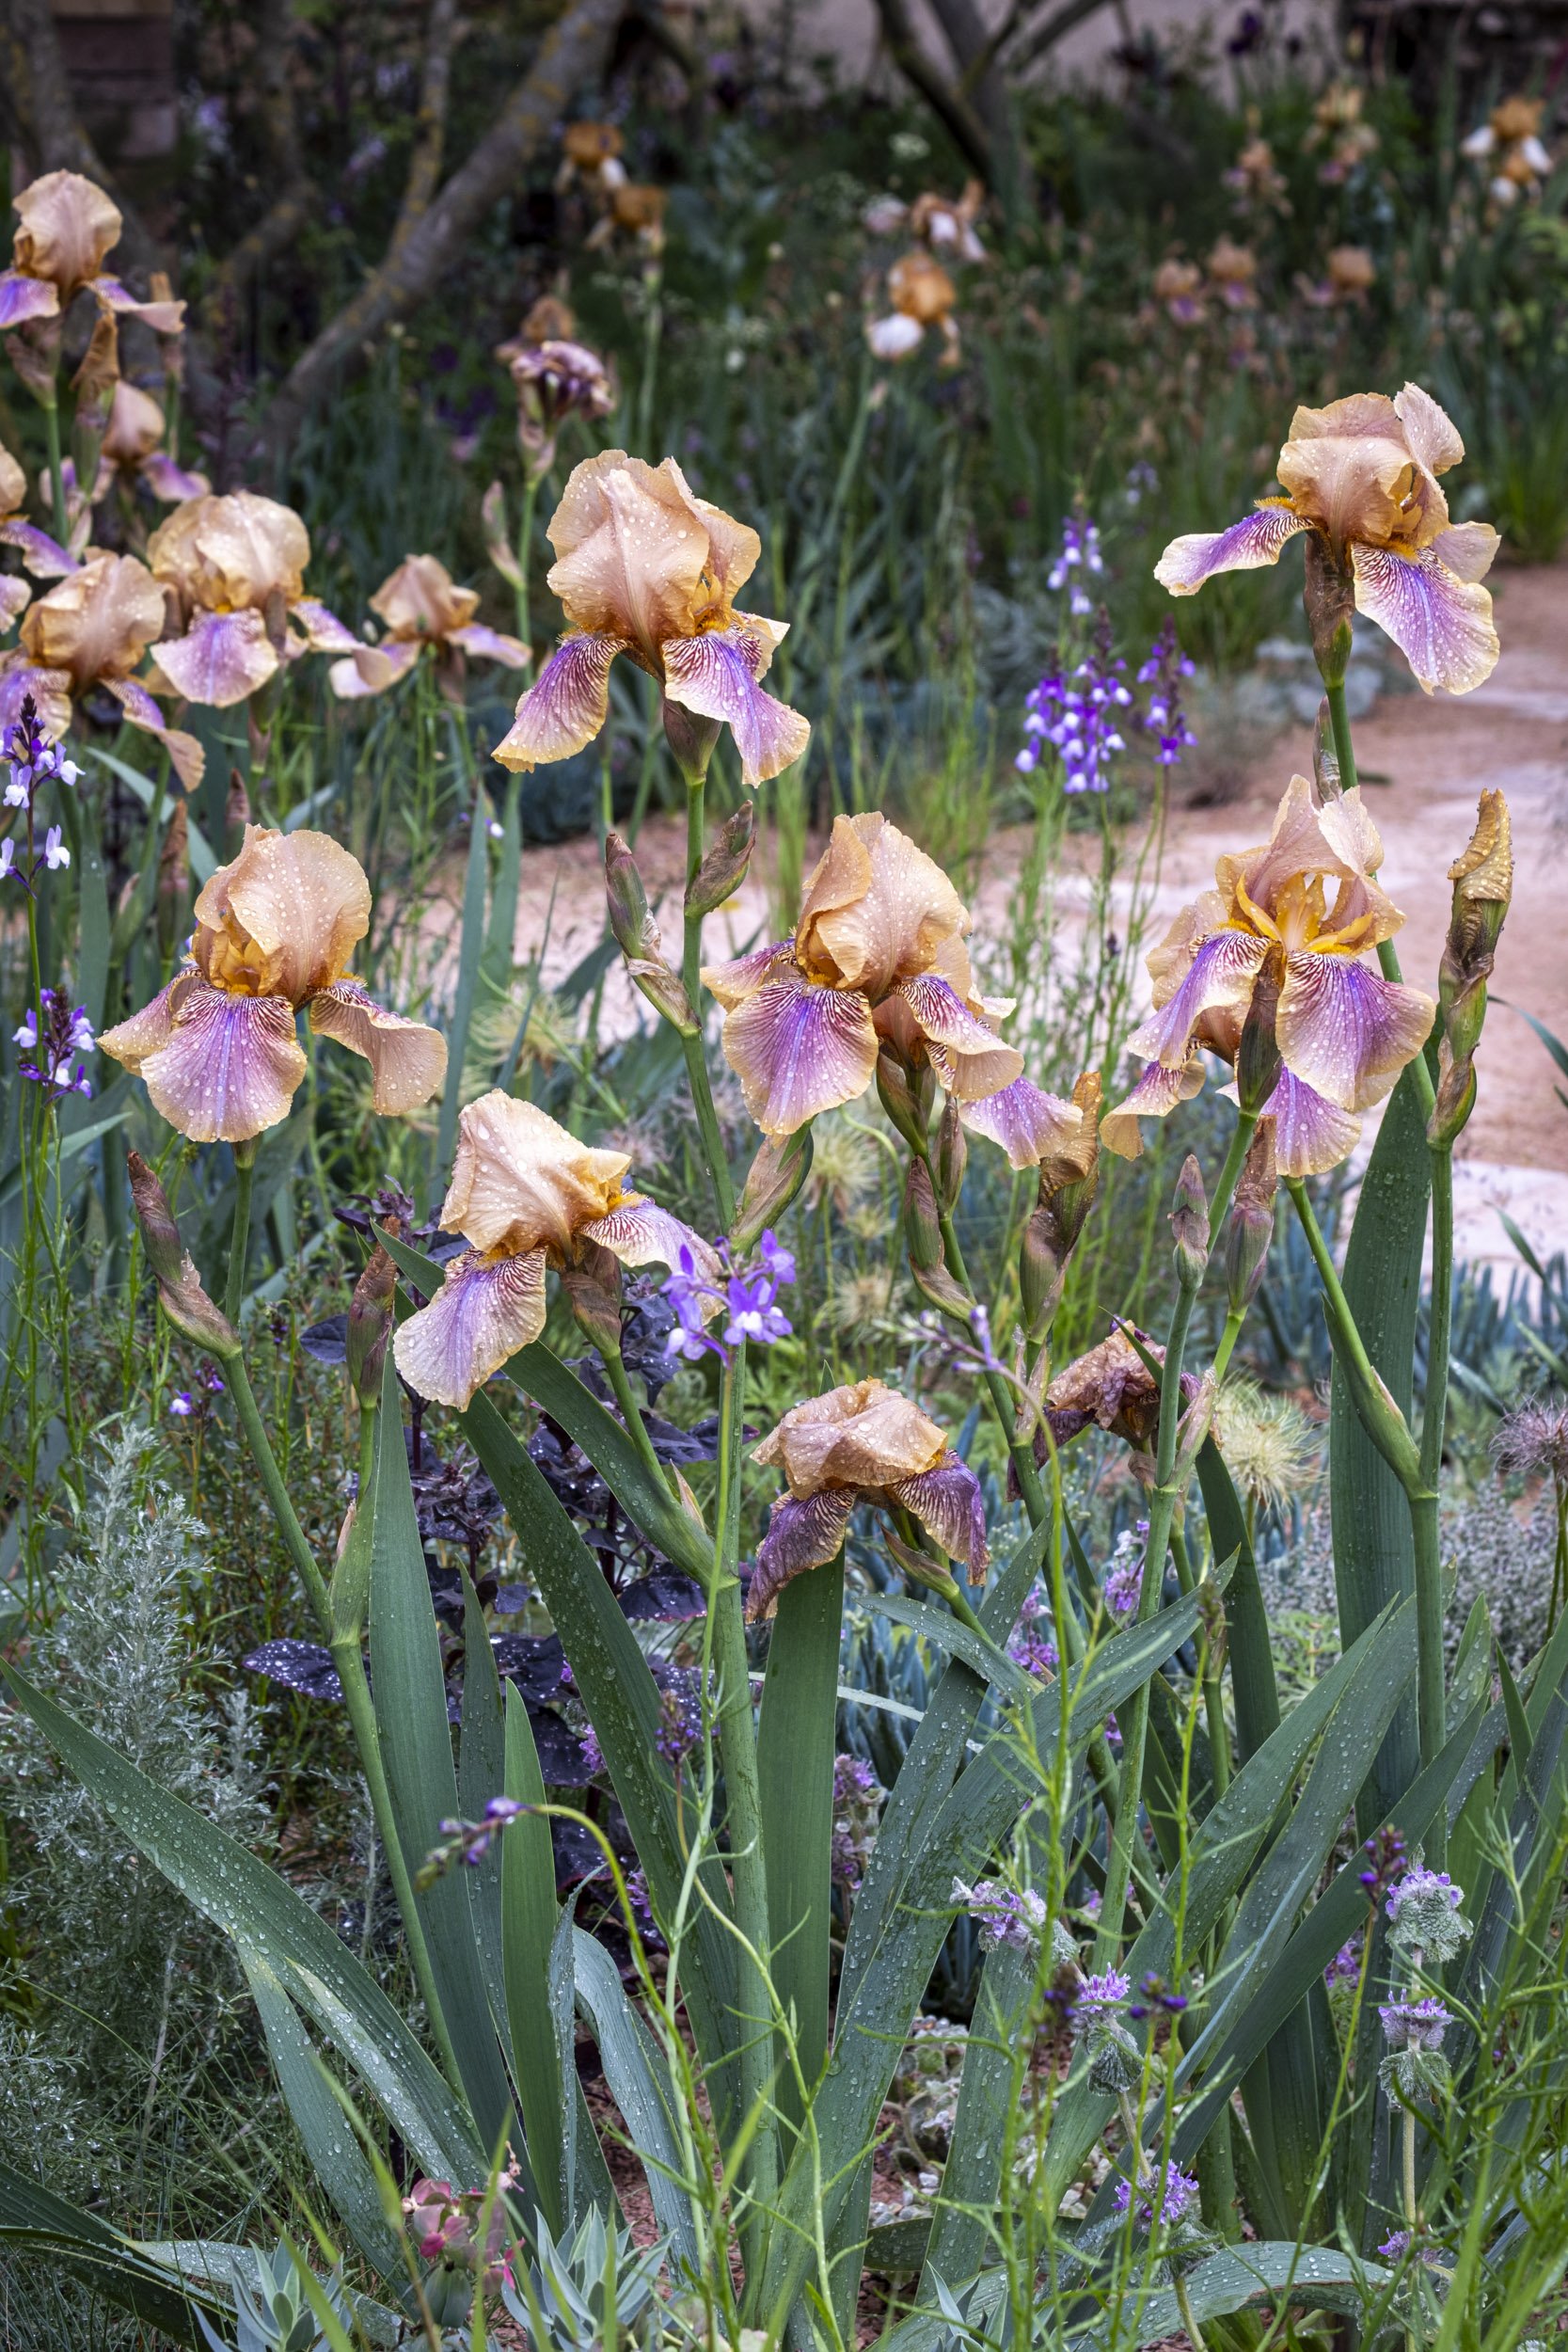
(67, 230)
(234, 567)
(1343, 1032)
(877, 957)
(1362, 473)
(92, 631)
(524, 1195)
(275, 930)
(423, 606)
(863, 1443)
(44, 558)
(645, 568)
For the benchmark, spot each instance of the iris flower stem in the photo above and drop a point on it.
(525, 551)
(738, 1741)
(1213, 1677)
(637, 1428)
(56, 471)
(691, 1047)
(239, 1239)
(350, 1663)
(1162, 1504)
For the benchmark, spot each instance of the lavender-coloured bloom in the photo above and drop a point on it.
(748, 1301)
(1175, 2191)
(1345, 1966)
(1422, 1886)
(680, 1715)
(1076, 712)
(1123, 1583)
(181, 1405)
(642, 1910)
(1100, 1996)
(1166, 666)
(52, 1062)
(1080, 553)
(1034, 1653)
(1415, 2025)
(1396, 2245)
(1007, 1918)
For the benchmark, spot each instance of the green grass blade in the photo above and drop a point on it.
(481, 1776)
(1252, 1676)
(1374, 1556)
(34, 2222)
(636, 2073)
(415, 1747)
(1277, 2274)
(500, 937)
(794, 1776)
(250, 1902)
(946, 1632)
(337, 2159)
(528, 1912)
(471, 947)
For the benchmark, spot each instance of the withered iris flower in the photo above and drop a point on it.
(1362, 473)
(878, 954)
(864, 1443)
(275, 930)
(646, 568)
(525, 1194)
(1269, 934)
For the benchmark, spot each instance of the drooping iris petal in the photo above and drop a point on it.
(566, 705)
(1155, 1096)
(490, 645)
(947, 1502)
(895, 337)
(1030, 1124)
(486, 1309)
(1311, 1135)
(187, 757)
(1248, 546)
(408, 1061)
(803, 1534)
(1220, 980)
(1345, 1030)
(1441, 623)
(44, 557)
(171, 483)
(1468, 550)
(22, 298)
(732, 983)
(230, 1068)
(324, 631)
(639, 1233)
(715, 676)
(522, 1180)
(862, 1435)
(372, 669)
(799, 1049)
(146, 1032)
(967, 1055)
(50, 691)
(165, 318)
(291, 909)
(221, 660)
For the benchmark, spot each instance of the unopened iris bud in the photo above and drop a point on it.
(690, 737)
(922, 1230)
(592, 1284)
(723, 871)
(1482, 882)
(173, 857)
(1250, 1230)
(1325, 759)
(179, 1291)
(1259, 1060)
(635, 932)
(952, 1156)
(1041, 1274)
(1329, 597)
(369, 1326)
(898, 1098)
(772, 1180)
(1189, 1224)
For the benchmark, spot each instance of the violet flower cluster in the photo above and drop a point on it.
(857, 1801)
(1010, 1919)
(1415, 2025)
(1080, 554)
(680, 1714)
(1424, 1914)
(468, 1842)
(1123, 1584)
(1077, 711)
(34, 762)
(1164, 671)
(50, 1058)
(1175, 2191)
(748, 1300)
(1030, 1646)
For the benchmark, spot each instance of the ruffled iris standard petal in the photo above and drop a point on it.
(799, 1049)
(407, 1060)
(521, 1181)
(1441, 624)
(486, 1309)
(715, 676)
(292, 907)
(566, 705)
(803, 1534)
(230, 1069)
(862, 1435)
(1248, 546)
(1345, 1030)
(947, 1502)
(876, 909)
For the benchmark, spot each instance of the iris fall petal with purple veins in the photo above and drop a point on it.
(234, 567)
(860, 1443)
(275, 931)
(646, 568)
(526, 1195)
(1362, 474)
(1343, 1032)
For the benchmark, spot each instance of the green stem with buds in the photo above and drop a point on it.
(1163, 1502)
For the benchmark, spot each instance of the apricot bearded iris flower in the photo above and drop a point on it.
(646, 568)
(92, 631)
(234, 567)
(44, 558)
(526, 1195)
(69, 226)
(423, 606)
(1267, 931)
(1362, 473)
(863, 1443)
(877, 956)
(275, 930)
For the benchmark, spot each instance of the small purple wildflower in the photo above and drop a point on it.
(1006, 1917)
(1077, 712)
(1420, 1886)
(180, 1405)
(642, 1910)
(593, 1756)
(1166, 666)
(1396, 2244)
(1345, 1966)
(680, 1715)
(66, 1033)
(1156, 1997)
(468, 1842)
(747, 1302)
(1099, 1995)
(1176, 2192)
(1080, 553)
(1123, 1583)
(1415, 2025)
(1034, 1652)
